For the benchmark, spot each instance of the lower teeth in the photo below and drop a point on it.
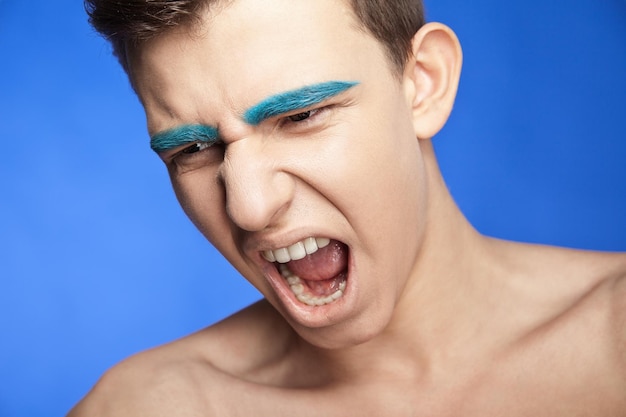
(297, 287)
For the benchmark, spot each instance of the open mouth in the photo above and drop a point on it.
(315, 269)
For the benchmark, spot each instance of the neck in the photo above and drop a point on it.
(445, 299)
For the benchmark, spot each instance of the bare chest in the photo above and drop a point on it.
(568, 368)
(550, 390)
(544, 379)
(512, 400)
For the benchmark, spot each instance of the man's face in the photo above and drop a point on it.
(335, 158)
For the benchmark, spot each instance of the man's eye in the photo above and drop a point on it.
(300, 116)
(305, 120)
(197, 155)
(196, 147)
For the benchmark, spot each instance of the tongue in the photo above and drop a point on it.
(325, 264)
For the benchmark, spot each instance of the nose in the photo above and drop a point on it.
(257, 189)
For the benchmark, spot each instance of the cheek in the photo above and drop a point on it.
(201, 197)
(376, 169)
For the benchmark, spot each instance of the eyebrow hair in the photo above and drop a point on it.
(181, 135)
(294, 99)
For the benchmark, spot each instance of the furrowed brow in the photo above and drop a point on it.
(292, 100)
(182, 135)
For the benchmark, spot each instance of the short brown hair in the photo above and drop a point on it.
(126, 23)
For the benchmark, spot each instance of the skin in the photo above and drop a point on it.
(436, 320)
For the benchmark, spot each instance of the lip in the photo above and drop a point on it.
(303, 314)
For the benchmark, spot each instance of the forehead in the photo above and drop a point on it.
(246, 50)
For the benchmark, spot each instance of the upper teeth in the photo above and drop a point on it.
(296, 251)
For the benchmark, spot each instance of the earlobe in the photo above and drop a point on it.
(431, 78)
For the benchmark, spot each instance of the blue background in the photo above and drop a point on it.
(97, 261)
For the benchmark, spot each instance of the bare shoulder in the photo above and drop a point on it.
(149, 384)
(618, 316)
(575, 289)
(606, 273)
(578, 329)
(603, 308)
(604, 278)
(188, 377)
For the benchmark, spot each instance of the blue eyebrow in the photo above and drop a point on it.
(299, 98)
(182, 135)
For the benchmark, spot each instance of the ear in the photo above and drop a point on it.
(431, 77)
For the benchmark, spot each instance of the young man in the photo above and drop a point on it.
(297, 137)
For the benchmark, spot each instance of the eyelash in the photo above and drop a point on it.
(201, 145)
(311, 117)
(188, 153)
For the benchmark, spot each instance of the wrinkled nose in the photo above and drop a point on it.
(257, 190)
